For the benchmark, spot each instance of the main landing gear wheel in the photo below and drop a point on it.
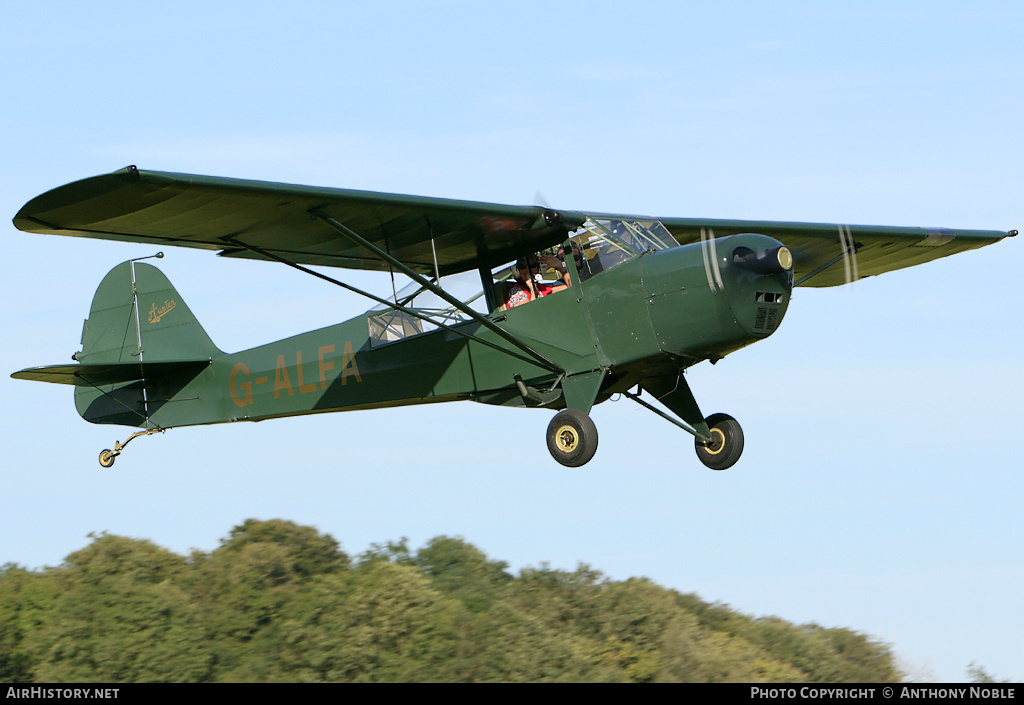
(572, 438)
(726, 444)
(107, 458)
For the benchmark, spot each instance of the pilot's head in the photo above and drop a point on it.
(527, 266)
(575, 254)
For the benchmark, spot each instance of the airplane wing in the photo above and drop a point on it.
(830, 255)
(217, 213)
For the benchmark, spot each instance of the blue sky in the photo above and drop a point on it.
(880, 486)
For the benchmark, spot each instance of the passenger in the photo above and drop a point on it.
(526, 287)
(590, 264)
(582, 265)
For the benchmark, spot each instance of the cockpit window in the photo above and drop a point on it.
(602, 243)
(388, 324)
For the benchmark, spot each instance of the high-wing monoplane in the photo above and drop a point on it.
(646, 298)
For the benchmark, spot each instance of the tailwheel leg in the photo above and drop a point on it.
(107, 456)
(572, 438)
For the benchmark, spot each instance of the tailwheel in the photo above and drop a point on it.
(726, 444)
(572, 438)
(107, 456)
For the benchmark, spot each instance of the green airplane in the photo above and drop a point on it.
(633, 302)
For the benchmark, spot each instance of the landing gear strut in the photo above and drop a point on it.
(572, 438)
(108, 456)
(718, 438)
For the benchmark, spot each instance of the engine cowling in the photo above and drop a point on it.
(708, 299)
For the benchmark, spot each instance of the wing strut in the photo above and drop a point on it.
(391, 304)
(408, 271)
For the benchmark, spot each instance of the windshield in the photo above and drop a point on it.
(602, 243)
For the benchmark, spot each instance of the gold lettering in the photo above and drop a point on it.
(348, 356)
(303, 388)
(155, 314)
(281, 378)
(324, 366)
(245, 387)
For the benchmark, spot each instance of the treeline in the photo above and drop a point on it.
(281, 602)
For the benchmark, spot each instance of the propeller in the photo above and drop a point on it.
(849, 250)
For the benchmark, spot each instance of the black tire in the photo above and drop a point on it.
(572, 438)
(107, 458)
(726, 444)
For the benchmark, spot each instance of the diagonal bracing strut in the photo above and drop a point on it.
(408, 311)
(419, 279)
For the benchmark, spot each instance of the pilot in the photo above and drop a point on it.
(527, 286)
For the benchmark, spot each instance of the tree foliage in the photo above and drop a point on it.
(281, 602)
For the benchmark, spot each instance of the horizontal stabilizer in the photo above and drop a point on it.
(97, 375)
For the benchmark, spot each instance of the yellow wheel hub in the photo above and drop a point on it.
(717, 443)
(567, 438)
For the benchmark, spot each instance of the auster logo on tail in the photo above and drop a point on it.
(155, 314)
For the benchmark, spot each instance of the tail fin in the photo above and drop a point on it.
(140, 346)
(137, 315)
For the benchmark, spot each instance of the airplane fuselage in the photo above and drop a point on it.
(650, 316)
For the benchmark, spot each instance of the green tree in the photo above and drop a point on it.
(511, 644)
(381, 621)
(309, 552)
(281, 602)
(242, 587)
(120, 618)
(26, 601)
(462, 571)
(978, 674)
